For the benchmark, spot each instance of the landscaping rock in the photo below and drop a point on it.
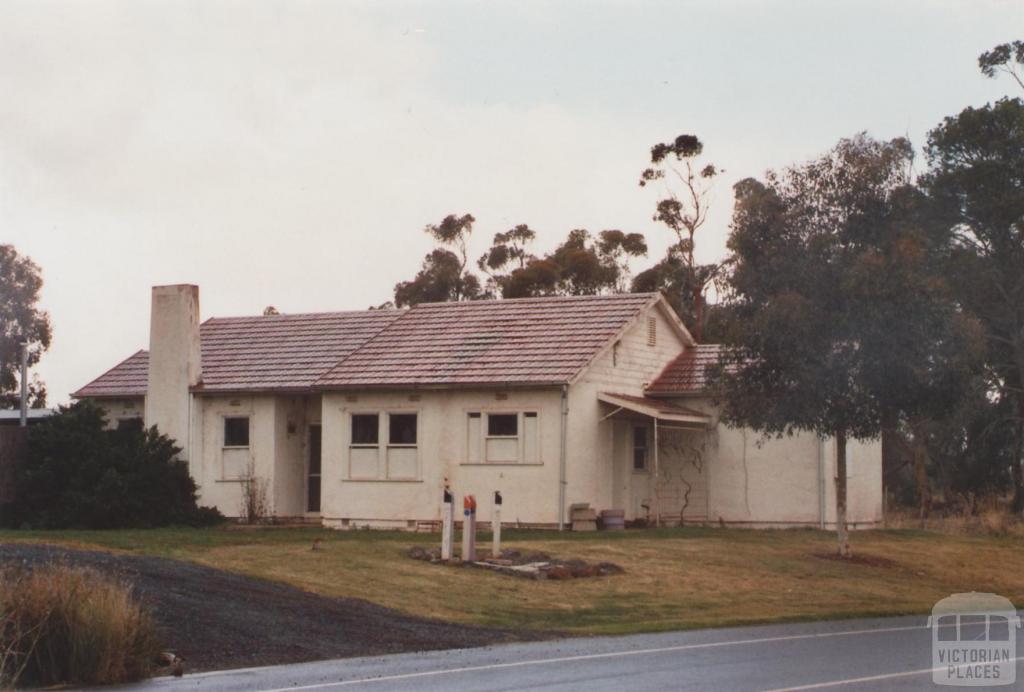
(557, 572)
(531, 565)
(605, 569)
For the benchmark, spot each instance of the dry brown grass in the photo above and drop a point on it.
(676, 578)
(70, 625)
(984, 518)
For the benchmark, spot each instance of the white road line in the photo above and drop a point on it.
(589, 657)
(870, 678)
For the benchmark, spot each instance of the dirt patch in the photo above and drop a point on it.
(856, 559)
(215, 619)
(530, 565)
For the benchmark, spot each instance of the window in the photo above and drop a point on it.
(402, 429)
(365, 429)
(502, 425)
(132, 423)
(236, 431)
(371, 459)
(640, 448)
(652, 331)
(504, 438)
(402, 461)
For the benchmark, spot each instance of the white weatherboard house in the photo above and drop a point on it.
(362, 418)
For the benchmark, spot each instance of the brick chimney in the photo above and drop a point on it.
(174, 364)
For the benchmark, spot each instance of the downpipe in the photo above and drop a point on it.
(562, 457)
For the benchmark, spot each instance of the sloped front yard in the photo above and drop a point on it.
(674, 578)
(215, 619)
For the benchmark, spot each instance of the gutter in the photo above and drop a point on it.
(562, 458)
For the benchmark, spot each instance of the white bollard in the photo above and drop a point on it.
(496, 526)
(469, 529)
(447, 526)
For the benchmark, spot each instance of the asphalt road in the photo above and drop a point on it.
(886, 654)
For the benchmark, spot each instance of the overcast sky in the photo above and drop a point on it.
(290, 153)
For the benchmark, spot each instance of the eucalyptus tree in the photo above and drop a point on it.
(687, 185)
(21, 320)
(444, 275)
(976, 179)
(841, 321)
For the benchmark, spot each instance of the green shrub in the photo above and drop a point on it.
(79, 474)
(71, 625)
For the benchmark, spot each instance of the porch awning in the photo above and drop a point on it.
(655, 408)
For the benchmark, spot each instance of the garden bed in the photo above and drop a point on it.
(526, 564)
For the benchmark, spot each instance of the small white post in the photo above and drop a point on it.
(469, 529)
(496, 526)
(447, 525)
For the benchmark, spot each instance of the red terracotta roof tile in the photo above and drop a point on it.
(273, 352)
(686, 374)
(126, 379)
(498, 342)
(267, 352)
(523, 341)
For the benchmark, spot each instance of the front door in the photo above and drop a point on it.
(313, 473)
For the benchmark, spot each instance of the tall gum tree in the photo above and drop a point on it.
(687, 186)
(840, 320)
(976, 178)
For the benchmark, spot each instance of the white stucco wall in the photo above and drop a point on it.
(278, 433)
(778, 481)
(119, 409)
(599, 470)
(530, 490)
(174, 360)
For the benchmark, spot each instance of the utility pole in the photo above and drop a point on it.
(24, 383)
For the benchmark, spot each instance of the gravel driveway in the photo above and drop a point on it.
(216, 619)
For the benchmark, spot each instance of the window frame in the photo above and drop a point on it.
(352, 426)
(382, 471)
(248, 431)
(416, 429)
(646, 448)
(511, 414)
(480, 444)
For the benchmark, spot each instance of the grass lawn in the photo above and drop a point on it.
(676, 578)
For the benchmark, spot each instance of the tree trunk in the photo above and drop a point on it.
(698, 315)
(1017, 460)
(924, 494)
(842, 534)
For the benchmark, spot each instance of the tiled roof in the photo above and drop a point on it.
(686, 374)
(270, 352)
(522, 341)
(127, 378)
(282, 351)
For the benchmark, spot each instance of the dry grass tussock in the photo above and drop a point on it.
(70, 625)
(967, 517)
